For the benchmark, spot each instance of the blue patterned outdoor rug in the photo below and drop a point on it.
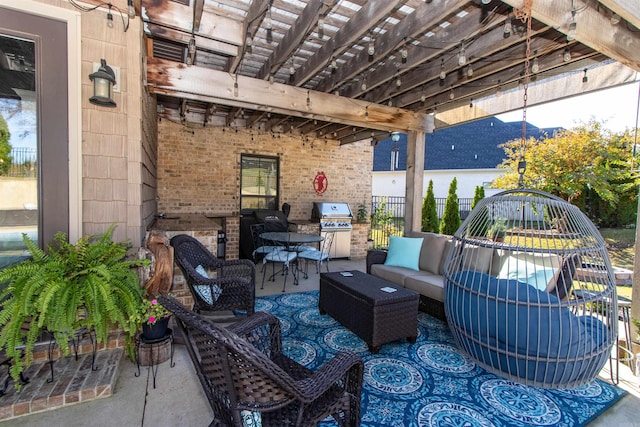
(431, 382)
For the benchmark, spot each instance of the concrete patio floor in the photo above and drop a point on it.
(178, 399)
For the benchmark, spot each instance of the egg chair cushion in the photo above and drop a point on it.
(538, 270)
(518, 328)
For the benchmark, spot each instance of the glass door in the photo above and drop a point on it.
(18, 147)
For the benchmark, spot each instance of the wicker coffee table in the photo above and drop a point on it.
(360, 304)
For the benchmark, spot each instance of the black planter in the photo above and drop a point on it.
(157, 330)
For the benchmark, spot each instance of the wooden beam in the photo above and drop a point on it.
(202, 43)
(626, 9)
(415, 181)
(292, 39)
(593, 29)
(250, 25)
(372, 11)
(179, 17)
(193, 82)
(198, 6)
(425, 16)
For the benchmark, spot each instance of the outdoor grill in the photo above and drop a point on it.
(335, 216)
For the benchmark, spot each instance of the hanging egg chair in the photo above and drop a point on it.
(546, 315)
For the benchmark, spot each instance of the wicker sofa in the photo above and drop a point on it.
(429, 280)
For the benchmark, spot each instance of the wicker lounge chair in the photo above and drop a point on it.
(215, 284)
(245, 374)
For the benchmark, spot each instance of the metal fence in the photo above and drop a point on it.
(24, 162)
(387, 216)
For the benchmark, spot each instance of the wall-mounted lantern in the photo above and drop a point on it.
(103, 81)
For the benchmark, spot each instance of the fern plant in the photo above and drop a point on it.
(87, 285)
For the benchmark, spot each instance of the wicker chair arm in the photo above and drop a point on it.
(375, 256)
(346, 368)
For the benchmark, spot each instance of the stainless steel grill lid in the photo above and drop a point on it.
(322, 210)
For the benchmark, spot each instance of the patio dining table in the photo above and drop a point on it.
(291, 241)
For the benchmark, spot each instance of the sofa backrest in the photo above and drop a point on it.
(433, 251)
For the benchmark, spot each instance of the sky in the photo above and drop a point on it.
(617, 107)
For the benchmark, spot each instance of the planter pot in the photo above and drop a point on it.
(157, 330)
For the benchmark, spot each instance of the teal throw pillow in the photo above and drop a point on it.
(404, 252)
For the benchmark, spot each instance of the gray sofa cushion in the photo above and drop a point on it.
(432, 251)
(391, 273)
(429, 285)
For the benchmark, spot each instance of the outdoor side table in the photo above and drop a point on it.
(624, 314)
(153, 348)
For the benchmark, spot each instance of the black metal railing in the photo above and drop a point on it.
(24, 162)
(387, 216)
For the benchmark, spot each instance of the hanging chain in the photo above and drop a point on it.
(524, 15)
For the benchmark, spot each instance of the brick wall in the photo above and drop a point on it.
(199, 172)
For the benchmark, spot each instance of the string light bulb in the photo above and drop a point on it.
(192, 46)
(308, 100)
(109, 18)
(372, 48)
(507, 27)
(535, 66)
(566, 56)
(443, 74)
(615, 19)
(363, 85)
(398, 80)
(451, 94)
(585, 78)
(131, 11)
(268, 22)
(292, 69)
(469, 71)
(235, 87)
(321, 23)
(404, 54)
(571, 33)
(462, 56)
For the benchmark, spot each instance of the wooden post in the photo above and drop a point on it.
(415, 174)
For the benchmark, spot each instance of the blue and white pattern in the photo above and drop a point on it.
(431, 382)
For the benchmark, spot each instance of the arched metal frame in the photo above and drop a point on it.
(546, 314)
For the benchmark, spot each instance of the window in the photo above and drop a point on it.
(259, 182)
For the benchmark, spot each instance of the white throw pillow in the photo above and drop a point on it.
(538, 270)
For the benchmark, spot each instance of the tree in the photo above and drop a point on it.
(451, 217)
(480, 226)
(478, 195)
(570, 162)
(5, 147)
(429, 211)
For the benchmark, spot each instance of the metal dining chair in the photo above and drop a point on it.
(280, 255)
(320, 257)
